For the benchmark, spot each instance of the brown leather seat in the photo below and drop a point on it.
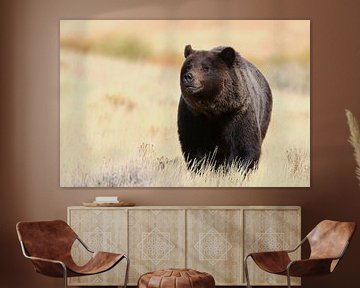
(176, 278)
(48, 245)
(328, 242)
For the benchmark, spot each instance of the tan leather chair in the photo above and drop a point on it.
(48, 245)
(328, 242)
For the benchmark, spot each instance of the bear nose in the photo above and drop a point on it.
(188, 77)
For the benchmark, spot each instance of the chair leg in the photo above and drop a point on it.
(288, 278)
(65, 276)
(127, 271)
(246, 272)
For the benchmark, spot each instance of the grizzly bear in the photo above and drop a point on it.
(224, 109)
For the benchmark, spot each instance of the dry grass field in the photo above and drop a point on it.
(119, 92)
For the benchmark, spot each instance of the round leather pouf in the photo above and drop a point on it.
(176, 278)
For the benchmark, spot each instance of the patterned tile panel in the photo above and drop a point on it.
(213, 246)
(157, 241)
(270, 230)
(156, 246)
(100, 230)
(214, 242)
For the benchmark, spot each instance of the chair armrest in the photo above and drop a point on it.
(271, 261)
(268, 253)
(49, 267)
(46, 260)
(309, 267)
(84, 245)
(281, 251)
(298, 246)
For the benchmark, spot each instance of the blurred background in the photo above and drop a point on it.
(119, 90)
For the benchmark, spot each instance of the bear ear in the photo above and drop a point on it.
(188, 51)
(228, 55)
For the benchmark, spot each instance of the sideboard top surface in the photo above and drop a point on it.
(193, 207)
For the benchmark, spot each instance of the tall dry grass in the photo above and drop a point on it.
(123, 132)
(354, 140)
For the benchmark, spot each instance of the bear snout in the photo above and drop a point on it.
(188, 78)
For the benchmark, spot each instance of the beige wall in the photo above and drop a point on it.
(29, 120)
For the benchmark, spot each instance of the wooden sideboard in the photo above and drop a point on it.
(212, 239)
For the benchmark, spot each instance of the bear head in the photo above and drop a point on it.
(208, 79)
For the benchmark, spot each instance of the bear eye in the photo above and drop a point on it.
(206, 69)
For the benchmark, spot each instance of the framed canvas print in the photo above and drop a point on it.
(185, 103)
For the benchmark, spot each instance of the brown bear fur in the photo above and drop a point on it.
(224, 109)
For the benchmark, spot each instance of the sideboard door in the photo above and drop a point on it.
(214, 244)
(101, 230)
(156, 240)
(269, 230)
